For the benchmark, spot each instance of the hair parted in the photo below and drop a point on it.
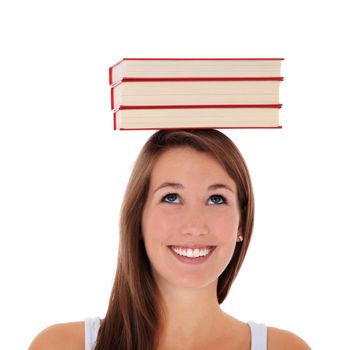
(133, 316)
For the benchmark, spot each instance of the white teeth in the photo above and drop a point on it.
(196, 253)
(191, 253)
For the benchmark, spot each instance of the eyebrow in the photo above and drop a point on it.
(177, 185)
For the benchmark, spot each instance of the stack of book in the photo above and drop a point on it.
(179, 93)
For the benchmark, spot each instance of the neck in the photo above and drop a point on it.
(190, 315)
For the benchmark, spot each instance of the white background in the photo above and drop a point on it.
(64, 170)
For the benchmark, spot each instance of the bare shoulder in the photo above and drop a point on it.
(68, 336)
(279, 339)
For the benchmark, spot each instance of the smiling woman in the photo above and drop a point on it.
(185, 227)
(202, 215)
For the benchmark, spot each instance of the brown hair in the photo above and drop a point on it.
(133, 316)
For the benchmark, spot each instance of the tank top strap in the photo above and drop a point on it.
(91, 330)
(258, 335)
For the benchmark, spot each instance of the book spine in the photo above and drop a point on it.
(112, 98)
(110, 76)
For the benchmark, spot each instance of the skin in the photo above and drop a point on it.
(190, 215)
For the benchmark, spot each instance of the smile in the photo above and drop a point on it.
(192, 252)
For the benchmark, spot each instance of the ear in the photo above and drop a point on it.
(240, 237)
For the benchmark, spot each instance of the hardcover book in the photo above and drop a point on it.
(195, 93)
(194, 67)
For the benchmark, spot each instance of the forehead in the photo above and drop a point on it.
(190, 165)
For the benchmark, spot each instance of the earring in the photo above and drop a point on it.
(240, 238)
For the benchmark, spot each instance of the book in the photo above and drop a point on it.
(182, 117)
(194, 67)
(195, 93)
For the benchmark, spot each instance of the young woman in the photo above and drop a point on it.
(185, 227)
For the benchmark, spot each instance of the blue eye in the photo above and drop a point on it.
(170, 198)
(218, 199)
(174, 198)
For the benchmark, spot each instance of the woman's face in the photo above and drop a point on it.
(190, 219)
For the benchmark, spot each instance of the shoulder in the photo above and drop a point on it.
(279, 339)
(68, 336)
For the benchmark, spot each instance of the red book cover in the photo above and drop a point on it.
(200, 106)
(209, 127)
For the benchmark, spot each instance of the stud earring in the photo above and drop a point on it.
(240, 238)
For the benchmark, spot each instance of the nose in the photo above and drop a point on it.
(194, 223)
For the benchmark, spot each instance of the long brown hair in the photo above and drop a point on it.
(133, 316)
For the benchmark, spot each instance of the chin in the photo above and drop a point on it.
(188, 281)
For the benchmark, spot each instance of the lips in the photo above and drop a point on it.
(192, 253)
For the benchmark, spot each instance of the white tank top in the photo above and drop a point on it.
(258, 334)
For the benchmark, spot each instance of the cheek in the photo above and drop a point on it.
(158, 224)
(224, 226)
